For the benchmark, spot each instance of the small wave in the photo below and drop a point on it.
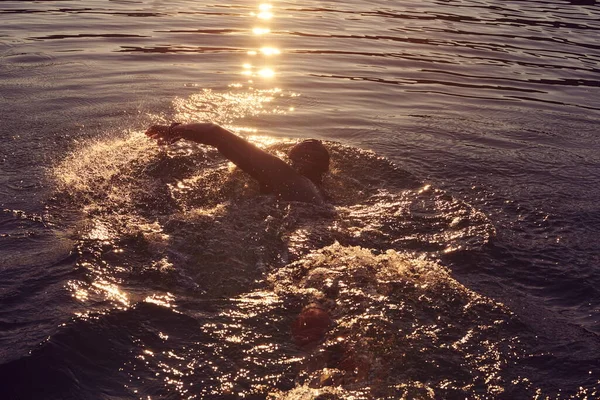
(87, 36)
(180, 49)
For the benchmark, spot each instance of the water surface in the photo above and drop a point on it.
(458, 254)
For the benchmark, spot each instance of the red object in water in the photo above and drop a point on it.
(311, 325)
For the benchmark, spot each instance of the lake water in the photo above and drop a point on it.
(458, 256)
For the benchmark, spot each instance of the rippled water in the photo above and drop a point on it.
(456, 257)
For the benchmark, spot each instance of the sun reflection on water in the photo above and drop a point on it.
(113, 292)
(225, 108)
(268, 51)
(265, 70)
(260, 31)
(266, 73)
(264, 11)
(163, 300)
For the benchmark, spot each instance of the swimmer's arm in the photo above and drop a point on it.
(269, 170)
(205, 133)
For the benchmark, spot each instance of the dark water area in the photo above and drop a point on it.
(457, 256)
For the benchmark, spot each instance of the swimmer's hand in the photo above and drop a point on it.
(164, 134)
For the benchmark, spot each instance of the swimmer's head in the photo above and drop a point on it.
(311, 159)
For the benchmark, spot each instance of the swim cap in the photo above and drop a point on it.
(311, 156)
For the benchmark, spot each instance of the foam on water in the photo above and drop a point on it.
(403, 328)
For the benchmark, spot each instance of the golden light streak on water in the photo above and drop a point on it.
(266, 73)
(266, 15)
(81, 295)
(226, 107)
(424, 189)
(77, 291)
(100, 231)
(260, 31)
(269, 51)
(263, 141)
(112, 292)
(246, 130)
(163, 300)
(265, 11)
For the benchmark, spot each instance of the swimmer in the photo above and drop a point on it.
(299, 181)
